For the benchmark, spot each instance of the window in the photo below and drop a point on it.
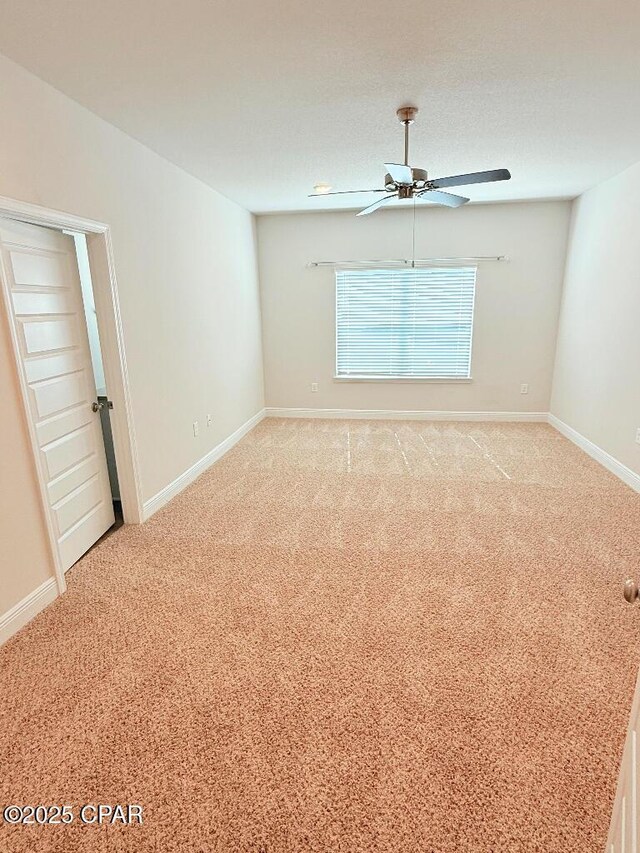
(404, 323)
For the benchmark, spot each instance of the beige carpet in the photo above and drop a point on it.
(346, 636)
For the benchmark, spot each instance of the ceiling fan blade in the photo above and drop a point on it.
(377, 204)
(447, 199)
(472, 178)
(344, 192)
(400, 173)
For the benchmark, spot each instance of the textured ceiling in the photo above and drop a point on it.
(262, 100)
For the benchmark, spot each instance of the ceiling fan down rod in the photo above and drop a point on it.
(407, 116)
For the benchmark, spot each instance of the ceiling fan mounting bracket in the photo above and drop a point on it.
(407, 115)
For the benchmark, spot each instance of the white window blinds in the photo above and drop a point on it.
(414, 322)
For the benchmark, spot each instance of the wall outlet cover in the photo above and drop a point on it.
(195, 428)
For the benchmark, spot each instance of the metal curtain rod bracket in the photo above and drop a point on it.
(407, 262)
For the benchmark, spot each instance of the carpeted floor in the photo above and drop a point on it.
(350, 636)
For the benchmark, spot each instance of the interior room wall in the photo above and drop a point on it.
(516, 313)
(186, 264)
(596, 389)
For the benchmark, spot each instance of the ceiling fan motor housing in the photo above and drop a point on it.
(420, 179)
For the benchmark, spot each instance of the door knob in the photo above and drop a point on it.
(100, 404)
(630, 591)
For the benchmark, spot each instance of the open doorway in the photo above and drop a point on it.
(102, 396)
(68, 385)
(47, 310)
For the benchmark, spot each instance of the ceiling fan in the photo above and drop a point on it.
(404, 182)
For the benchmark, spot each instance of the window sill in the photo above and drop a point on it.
(444, 380)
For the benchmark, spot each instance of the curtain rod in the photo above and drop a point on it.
(406, 262)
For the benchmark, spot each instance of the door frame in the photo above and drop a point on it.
(105, 292)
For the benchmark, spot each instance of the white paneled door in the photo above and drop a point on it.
(624, 831)
(41, 278)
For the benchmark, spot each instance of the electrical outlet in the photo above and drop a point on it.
(209, 420)
(638, 435)
(524, 388)
(195, 428)
(314, 387)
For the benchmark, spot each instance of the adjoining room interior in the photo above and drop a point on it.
(320, 506)
(93, 333)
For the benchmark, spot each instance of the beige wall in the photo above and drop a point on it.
(596, 388)
(187, 274)
(517, 303)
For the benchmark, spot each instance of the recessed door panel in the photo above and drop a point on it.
(67, 422)
(77, 505)
(27, 302)
(55, 395)
(35, 268)
(68, 451)
(49, 335)
(82, 536)
(48, 366)
(72, 478)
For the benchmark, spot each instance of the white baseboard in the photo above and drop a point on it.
(25, 610)
(401, 415)
(165, 495)
(606, 459)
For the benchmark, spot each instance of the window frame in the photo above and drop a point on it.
(400, 379)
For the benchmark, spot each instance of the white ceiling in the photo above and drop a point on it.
(263, 99)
